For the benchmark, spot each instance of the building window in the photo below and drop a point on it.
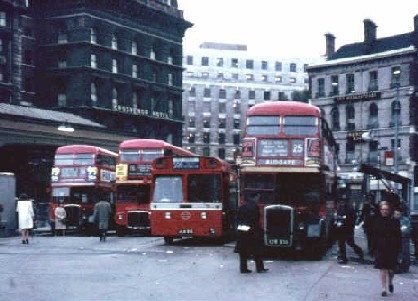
(3, 20)
(305, 67)
(93, 61)
(135, 71)
(373, 117)
(93, 36)
(350, 83)
(28, 85)
(93, 94)
(264, 65)
(134, 48)
(221, 153)
(350, 152)
(335, 119)
(334, 85)
(62, 36)
(170, 79)
(192, 92)
(373, 81)
(170, 58)
(392, 144)
(221, 138)
(115, 66)
(206, 138)
(396, 77)
(321, 87)
(28, 57)
(222, 94)
(249, 64)
(277, 79)
(234, 63)
(282, 96)
(206, 123)
(192, 123)
(267, 95)
(206, 92)
(114, 98)
(292, 67)
(206, 151)
(189, 60)
(220, 75)
(62, 99)
(191, 138)
(135, 100)
(62, 60)
(222, 123)
(278, 66)
(237, 124)
(152, 54)
(235, 76)
(114, 42)
(264, 78)
(1, 46)
(205, 61)
(219, 62)
(251, 94)
(236, 139)
(350, 117)
(249, 77)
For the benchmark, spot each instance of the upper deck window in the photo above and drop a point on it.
(263, 125)
(74, 159)
(129, 156)
(145, 155)
(300, 125)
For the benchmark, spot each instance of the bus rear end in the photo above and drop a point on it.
(190, 198)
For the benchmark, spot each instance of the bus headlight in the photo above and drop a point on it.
(301, 226)
(120, 216)
(203, 215)
(167, 215)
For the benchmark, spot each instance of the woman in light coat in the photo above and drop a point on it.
(26, 214)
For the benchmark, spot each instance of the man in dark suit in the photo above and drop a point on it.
(249, 238)
(345, 223)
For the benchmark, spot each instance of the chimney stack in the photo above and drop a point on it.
(330, 45)
(369, 31)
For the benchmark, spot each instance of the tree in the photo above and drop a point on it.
(302, 96)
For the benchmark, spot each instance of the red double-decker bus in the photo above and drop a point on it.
(133, 180)
(192, 197)
(289, 157)
(82, 174)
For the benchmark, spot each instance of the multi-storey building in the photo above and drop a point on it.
(112, 70)
(221, 81)
(368, 92)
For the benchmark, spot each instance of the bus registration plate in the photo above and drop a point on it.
(186, 231)
(278, 242)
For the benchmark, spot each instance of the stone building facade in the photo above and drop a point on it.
(368, 92)
(221, 81)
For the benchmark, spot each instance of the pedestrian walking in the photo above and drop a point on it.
(249, 236)
(60, 220)
(345, 223)
(101, 215)
(387, 242)
(26, 216)
(368, 215)
(405, 254)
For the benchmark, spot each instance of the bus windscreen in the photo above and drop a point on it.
(204, 188)
(168, 189)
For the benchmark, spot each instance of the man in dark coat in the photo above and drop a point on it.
(345, 222)
(101, 215)
(249, 237)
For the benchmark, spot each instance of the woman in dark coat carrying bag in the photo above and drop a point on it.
(387, 244)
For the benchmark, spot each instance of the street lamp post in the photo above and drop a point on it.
(396, 111)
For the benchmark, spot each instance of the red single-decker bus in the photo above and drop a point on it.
(192, 197)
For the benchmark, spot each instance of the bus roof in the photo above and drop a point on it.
(143, 143)
(283, 108)
(83, 149)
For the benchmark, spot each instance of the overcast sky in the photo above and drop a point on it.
(292, 28)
